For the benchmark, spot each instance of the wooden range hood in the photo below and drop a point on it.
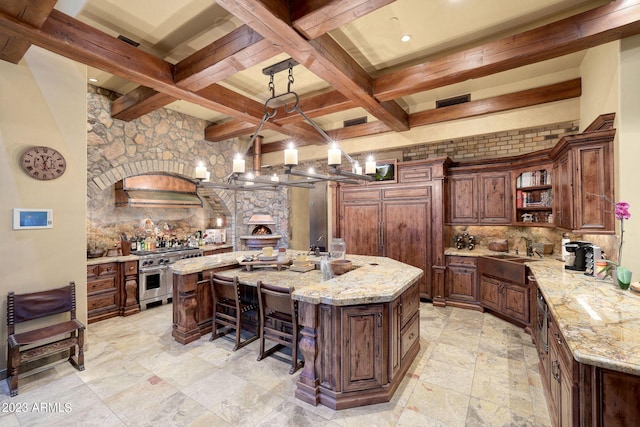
(157, 191)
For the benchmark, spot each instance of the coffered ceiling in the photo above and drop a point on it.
(205, 58)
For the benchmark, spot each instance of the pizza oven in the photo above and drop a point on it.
(262, 235)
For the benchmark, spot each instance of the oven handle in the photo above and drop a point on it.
(153, 269)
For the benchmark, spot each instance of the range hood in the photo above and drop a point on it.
(157, 191)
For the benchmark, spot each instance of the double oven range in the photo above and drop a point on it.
(155, 284)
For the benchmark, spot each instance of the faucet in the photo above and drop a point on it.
(314, 247)
(529, 245)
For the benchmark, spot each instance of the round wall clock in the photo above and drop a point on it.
(43, 163)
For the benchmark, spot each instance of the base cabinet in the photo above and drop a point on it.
(509, 299)
(357, 355)
(461, 281)
(103, 295)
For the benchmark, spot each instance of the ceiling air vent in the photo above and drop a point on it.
(355, 122)
(453, 101)
(128, 41)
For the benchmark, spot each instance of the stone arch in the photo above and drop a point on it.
(110, 177)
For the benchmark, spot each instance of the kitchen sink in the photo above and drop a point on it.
(504, 266)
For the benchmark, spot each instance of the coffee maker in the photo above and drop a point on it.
(576, 255)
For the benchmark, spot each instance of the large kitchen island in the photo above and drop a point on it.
(361, 330)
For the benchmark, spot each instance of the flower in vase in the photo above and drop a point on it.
(623, 274)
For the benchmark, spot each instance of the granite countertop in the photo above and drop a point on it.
(107, 259)
(600, 322)
(373, 280)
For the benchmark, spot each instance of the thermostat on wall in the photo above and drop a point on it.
(27, 219)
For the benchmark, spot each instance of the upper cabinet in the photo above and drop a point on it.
(480, 198)
(583, 193)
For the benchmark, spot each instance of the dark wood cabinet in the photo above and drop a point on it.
(583, 174)
(362, 343)
(103, 294)
(534, 196)
(402, 220)
(480, 198)
(208, 252)
(509, 299)
(129, 291)
(461, 282)
(463, 201)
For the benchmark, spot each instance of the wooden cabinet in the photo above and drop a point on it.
(561, 379)
(461, 282)
(102, 291)
(506, 298)
(482, 198)
(129, 291)
(393, 221)
(362, 343)
(583, 179)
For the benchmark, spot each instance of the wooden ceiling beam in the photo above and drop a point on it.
(75, 40)
(612, 21)
(525, 98)
(322, 56)
(315, 18)
(31, 12)
(238, 50)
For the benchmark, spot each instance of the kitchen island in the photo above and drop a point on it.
(360, 331)
(592, 366)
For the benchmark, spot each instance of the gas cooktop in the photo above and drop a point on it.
(164, 250)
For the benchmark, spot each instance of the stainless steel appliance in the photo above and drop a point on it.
(576, 257)
(542, 322)
(155, 282)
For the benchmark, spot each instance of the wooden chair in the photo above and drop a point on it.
(278, 321)
(228, 308)
(37, 343)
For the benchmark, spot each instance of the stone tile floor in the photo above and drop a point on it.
(473, 369)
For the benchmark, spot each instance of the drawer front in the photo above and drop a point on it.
(361, 195)
(407, 192)
(415, 174)
(110, 269)
(101, 302)
(410, 303)
(130, 267)
(93, 270)
(101, 285)
(563, 348)
(409, 336)
(463, 261)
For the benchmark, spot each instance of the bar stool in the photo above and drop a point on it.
(278, 321)
(228, 308)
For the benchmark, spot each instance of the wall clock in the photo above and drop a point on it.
(43, 163)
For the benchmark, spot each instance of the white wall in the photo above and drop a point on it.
(629, 150)
(43, 102)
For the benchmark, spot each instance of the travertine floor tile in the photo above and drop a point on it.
(472, 369)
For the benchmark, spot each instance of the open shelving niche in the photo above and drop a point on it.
(534, 197)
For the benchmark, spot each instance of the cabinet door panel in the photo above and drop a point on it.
(490, 293)
(361, 231)
(495, 202)
(407, 228)
(593, 211)
(463, 201)
(362, 341)
(516, 302)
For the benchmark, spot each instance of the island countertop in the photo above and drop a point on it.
(600, 322)
(374, 279)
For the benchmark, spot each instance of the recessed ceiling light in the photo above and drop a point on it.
(92, 80)
(405, 38)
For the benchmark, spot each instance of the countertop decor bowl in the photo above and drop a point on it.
(95, 253)
(341, 266)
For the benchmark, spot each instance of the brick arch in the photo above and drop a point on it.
(107, 179)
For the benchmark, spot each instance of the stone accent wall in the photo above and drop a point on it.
(168, 142)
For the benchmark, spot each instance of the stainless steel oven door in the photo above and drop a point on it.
(153, 285)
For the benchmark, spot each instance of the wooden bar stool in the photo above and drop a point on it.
(228, 308)
(278, 321)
